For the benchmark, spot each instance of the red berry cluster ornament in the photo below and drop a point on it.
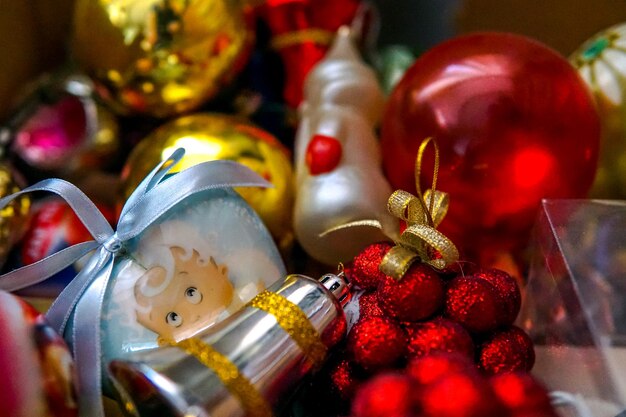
(434, 337)
(449, 385)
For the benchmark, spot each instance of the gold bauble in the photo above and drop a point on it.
(160, 57)
(13, 217)
(213, 136)
(601, 61)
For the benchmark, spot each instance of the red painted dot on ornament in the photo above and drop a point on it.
(376, 342)
(507, 350)
(365, 272)
(323, 154)
(523, 395)
(474, 303)
(439, 335)
(419, 294)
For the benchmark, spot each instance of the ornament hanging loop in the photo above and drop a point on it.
(422, 214)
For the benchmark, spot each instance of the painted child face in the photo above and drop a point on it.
(193, 299)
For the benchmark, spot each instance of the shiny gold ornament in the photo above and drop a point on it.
(212, 136)
(160, 57)
(13, 218)
(601, 61)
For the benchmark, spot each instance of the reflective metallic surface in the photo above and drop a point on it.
(160, 57)
(58, 126)
(168, 382)
(13, 218)
(514, 124)
(214, 136)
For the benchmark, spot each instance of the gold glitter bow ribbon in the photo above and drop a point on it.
(422, 214)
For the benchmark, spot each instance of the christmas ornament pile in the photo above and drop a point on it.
(436, 342)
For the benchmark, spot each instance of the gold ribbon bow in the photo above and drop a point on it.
(422, 214)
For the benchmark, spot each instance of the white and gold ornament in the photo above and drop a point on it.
(338, 176)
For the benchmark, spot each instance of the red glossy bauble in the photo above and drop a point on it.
(522, 395)
(376, 343)
(416, 296)
(514, 124)
(438, 335)
(365, 272)
(507, 350)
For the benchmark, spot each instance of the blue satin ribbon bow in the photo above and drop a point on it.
(84, 295)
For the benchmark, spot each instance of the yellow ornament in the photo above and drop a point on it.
(601, 61)
(13, 218)
(160, 57)
(212, 136)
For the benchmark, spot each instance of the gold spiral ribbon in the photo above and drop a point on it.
(237, 384)
(422, 214)
(293, 321)
(318, 36)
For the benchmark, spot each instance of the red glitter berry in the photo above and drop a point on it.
(365, 272)
(507, 350)
(428, 369)
(376, 342)
(474, 303)
(385, 395)
(522, 395)
(439, 335)
(508, 291)
(460, 395)
(417, 295)
(368, 305)
(343, 379)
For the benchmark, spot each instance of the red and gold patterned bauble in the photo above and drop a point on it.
(514, 123)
